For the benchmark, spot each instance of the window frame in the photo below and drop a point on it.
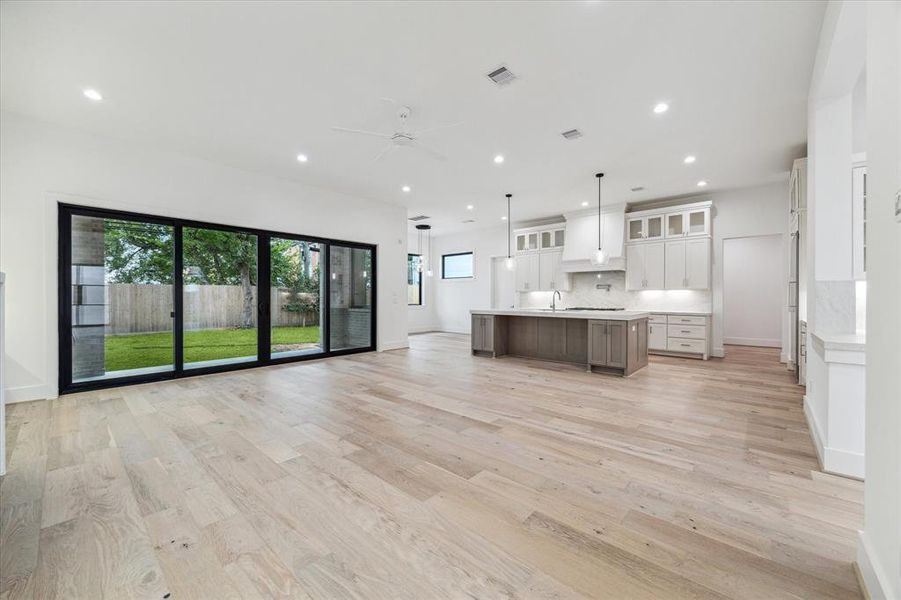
(472, 274)
(65, 211)
(420, 303)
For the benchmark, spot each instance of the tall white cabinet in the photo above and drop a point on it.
(669, 248)
(539, 259)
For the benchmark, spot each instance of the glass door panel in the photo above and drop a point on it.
(674, 225)
(296, 297)
(655, 227)
(350, 316)
(220, 297)
(636, 229)
(122, 298)
(697, 222)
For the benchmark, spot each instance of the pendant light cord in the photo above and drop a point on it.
(509, 225)
(599, 212)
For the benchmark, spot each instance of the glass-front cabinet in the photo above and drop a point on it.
(527, 242)
(645, 228)
(688, 223)
(552, 238)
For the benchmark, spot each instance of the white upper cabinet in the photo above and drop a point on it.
(635, 259)
(687, 264)
(693, 222)
(527, 242)
(552, 239)
(644, 228)
(550, 272)
(645, 266)
(527, 267)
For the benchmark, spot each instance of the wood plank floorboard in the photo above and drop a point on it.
(429, 473)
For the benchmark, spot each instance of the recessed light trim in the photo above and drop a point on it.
(585, 203)
(92, 94)
(405, 189)
(503, 217)
(702, 183)
(469, 207)
(498, 159)
(660, 108)
(302, 158)
(689, 159)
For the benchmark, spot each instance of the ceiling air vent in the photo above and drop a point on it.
(418, 218)
(502, 76)
(572, 134)
(468, 221)
(638, 189)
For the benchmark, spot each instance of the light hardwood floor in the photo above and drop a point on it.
(429, 473)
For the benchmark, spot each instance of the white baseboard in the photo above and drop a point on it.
(744, 341)
(415, 330)
(27, 393)
(833, 460)
(814, 427)
(394, 345)
(876, 581)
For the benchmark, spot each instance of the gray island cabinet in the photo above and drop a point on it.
(614, 342)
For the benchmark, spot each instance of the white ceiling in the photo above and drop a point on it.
(252, 84)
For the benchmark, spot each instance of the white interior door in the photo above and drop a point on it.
(753, 292)
(503, 284)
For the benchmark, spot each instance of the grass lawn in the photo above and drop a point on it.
(139, 350)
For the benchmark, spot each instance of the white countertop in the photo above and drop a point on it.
(603, 315)
(690, 313)
(842, 341)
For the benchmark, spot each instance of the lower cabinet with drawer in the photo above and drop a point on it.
(687, 335)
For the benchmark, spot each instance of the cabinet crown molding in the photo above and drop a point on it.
(659, 210)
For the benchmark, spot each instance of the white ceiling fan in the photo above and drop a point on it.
(403, 136)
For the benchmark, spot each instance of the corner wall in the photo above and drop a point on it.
(42, 163)
(879, 553)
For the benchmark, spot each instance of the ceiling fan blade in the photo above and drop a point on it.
(384, 151)
(435, 128)
(363, 132)
(430, 151)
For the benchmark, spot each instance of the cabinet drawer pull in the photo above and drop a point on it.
(685, 331)
(685, 345)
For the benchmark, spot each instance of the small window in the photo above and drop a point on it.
(456, 266)
(414, 280)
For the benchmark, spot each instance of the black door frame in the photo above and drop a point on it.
(64, 278)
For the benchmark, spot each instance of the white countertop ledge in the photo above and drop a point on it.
(601, 315)
(842, 341)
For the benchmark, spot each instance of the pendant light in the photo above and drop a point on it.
(428, 229)
(509, 263)
(600, 257)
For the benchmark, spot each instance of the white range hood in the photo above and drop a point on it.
(581, 240)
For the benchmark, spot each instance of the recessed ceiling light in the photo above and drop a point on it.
(504, 218)
(92, 94)
(689, 159)
(702, 183)
(585, 203)
(469, 207)
(661, 108)
(302, 158)
(405, 189)
(499, 159)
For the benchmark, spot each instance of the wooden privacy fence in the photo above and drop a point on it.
(143, 308)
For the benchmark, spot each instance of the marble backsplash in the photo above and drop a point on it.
(585, 293)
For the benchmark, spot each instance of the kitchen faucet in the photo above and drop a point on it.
(554, 297)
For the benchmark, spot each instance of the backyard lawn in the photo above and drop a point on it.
(136, 351)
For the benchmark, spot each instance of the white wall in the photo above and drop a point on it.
(40, 163)
(454, 298)
(879, 554)
(753, 291)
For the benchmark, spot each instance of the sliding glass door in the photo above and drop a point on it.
(120, 297)
(144, 298)
(220, 297)
(296, 297)
(350, 314)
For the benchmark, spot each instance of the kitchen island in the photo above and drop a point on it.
(614, 341)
